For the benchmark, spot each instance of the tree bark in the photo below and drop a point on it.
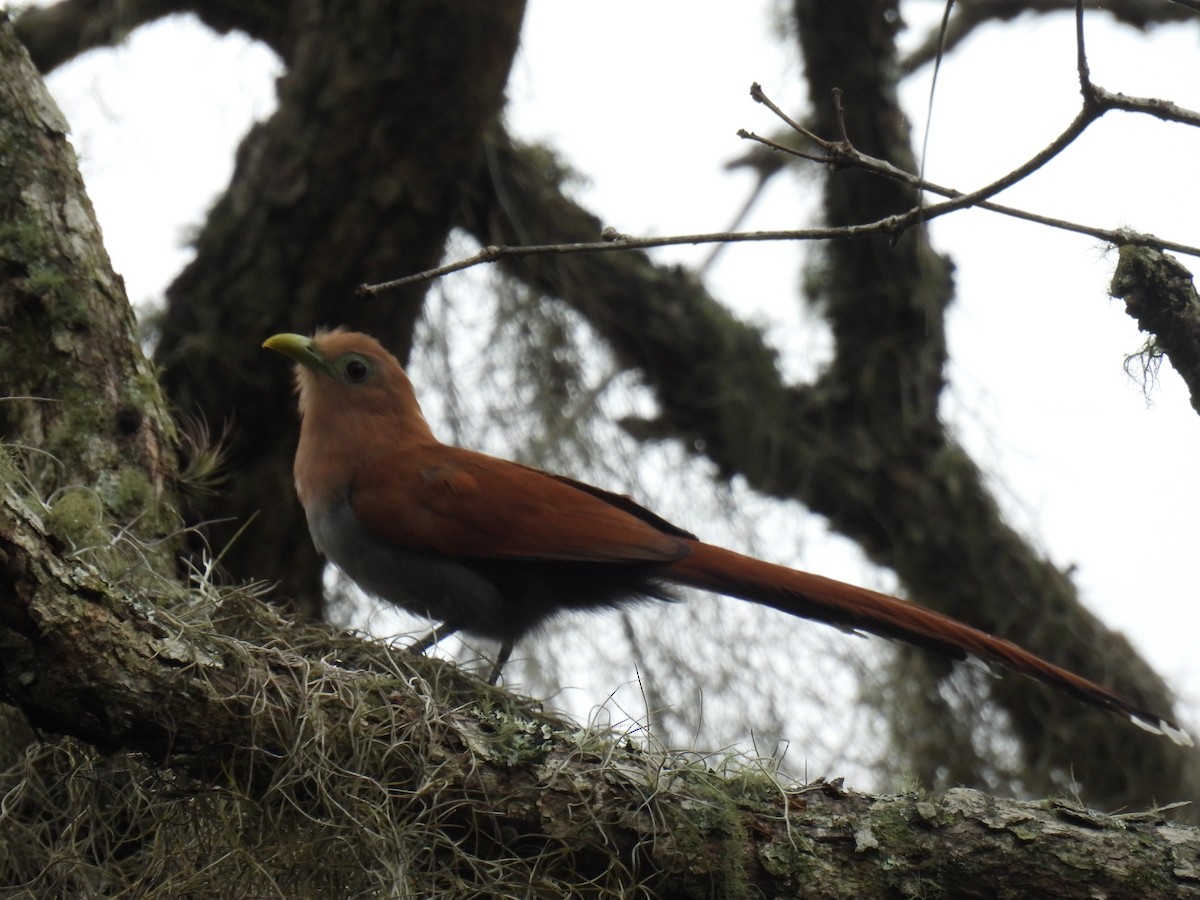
(82, 407)
(82, 413)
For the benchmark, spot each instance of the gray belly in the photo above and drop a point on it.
(427, 584)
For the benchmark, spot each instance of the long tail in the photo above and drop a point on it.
(858, 609)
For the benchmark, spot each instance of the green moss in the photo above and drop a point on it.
(73, 437)
(143, 390)
(709, 820)
(22, 239)
(44, 280)
(25, 243)
(785, 858)
(77, 517)
(131, 493)
(752, 788)
(515, 739)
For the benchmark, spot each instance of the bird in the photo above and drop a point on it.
(494, 548)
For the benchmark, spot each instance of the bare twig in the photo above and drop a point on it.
(843, 154)
(621, 243)
(759, 96)
(1081, 61)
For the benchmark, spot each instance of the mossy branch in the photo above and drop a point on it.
(294, 741)
(1161, 295)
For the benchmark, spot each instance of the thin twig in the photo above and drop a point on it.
(1150, 106)
(846, 156)
(1081, 61)
(494, 252)
(759, 96)
(843, 154)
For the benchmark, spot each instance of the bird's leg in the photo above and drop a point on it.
(440, 631)
(501, 658)
(444, 630)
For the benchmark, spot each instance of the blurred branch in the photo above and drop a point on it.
(58, 33)
(969, 15)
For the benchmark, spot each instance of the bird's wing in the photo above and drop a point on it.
(467, 505)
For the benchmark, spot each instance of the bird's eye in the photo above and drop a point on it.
(356, 370)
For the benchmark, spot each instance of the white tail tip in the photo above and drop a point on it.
(1159, 726)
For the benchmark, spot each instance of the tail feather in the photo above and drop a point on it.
(858, 609)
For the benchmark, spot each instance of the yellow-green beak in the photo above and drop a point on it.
(296, 347)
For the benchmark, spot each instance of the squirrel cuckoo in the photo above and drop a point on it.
(494, 548)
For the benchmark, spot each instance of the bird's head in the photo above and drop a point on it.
(344, 376)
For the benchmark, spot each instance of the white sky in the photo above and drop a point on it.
(645, 100)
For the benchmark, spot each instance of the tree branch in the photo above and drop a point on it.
(1160, 294)
(494, 791)
(58, 33)
(969, 15)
